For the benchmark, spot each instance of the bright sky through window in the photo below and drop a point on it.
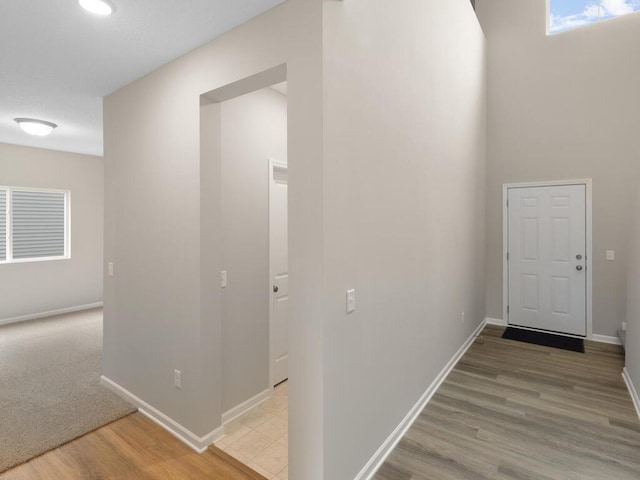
(569, 14)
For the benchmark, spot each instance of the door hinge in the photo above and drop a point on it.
(507, 309)
(507, 203)
(507, 256)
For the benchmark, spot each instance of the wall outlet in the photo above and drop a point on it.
(177, 379)
(223, 279)
(351, 300)
(611, 255)
(110, 268)
(462, 317)
(624, 326)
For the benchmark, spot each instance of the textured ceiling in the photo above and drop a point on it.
(57, 61)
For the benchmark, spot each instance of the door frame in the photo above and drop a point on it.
(273, 164)
(589, 243)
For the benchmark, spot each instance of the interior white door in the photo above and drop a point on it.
(547, 258)
(279, 267)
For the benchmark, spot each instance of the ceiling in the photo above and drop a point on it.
(57, 60)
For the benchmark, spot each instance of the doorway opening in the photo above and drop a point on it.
(247, 121)
(278, 272)
(547, 275)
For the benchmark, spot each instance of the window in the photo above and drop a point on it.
(569, 14)
(34, 224)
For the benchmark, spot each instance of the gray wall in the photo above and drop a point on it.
(163, 307)
(386, 194)
(633, 299)
(36, 287)
(564, 107)
(404, 175)
(254, 129)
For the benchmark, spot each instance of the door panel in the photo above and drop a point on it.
(530, 292)
(530, 236)
(547, 258)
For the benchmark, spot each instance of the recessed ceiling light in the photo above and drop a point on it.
(99, 7)
(40, 128)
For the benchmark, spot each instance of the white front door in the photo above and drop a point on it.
(547, 258)
(279, 268)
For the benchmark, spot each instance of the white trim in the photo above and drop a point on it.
(199, 444)
(495, 321)
(632, 390)
(548, 19)
(605, 339)
(34, 189)
(588, 183)
(390, 443)
(35, 259)
(51, 313)
(244, 407)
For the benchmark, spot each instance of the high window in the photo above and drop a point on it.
(569, 14)
(34, 224)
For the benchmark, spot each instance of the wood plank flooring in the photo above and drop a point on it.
(515, 411)
(133, 448)
(508, 411)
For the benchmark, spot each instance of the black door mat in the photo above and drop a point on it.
(546, 339)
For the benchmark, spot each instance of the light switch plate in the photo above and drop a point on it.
(351, 300)
(110, 268)
(223, 279)
(611, 255)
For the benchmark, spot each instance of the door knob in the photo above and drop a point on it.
(275, 289)
(579, 257)
(579, 267)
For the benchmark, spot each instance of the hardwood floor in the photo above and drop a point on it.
(133, 448)
(508, 411)
(515, 411)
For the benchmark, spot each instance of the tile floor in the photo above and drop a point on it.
(260, 438)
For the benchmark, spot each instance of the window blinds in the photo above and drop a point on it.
(3, 225)
(38, 224)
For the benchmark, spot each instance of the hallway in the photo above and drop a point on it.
(260, 438)
(512, 410)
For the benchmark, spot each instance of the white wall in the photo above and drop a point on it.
(254, 129)
(36, 287)
(632, 357)
(162, 308)
(404, 174)
(564, 107)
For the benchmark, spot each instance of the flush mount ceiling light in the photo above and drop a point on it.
(99, 7)
(40, 128)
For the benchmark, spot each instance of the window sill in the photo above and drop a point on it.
(35, 260)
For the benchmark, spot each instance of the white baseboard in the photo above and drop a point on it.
(632, 390)
(199, 444)
(390, 443)
(51, 313)
(605, 339)
(244, 407)
(495, 321)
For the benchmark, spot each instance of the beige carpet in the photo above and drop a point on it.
(49, 385)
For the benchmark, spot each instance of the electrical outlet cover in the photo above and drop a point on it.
(351, 300)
